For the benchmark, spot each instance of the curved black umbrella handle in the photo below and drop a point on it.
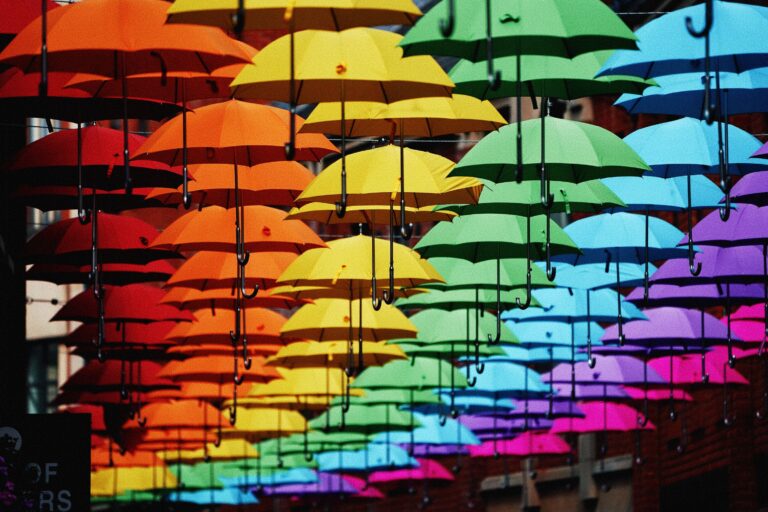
(341, 206)
(725, 211)
(376, 301)
(619, 317)
(389, 295)
(233, 407)
(494, 76)
(247, 361)
(246, 294)
(82, 212)
(234, 335)
(528, 282)
(479, 367)
(447, 25)
(495, 340)
(471, 382)
(694, 267)
(708, 20)
(186, 197)
(406, 228)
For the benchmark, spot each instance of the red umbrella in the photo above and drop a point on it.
(224, 298)
(121, 240)
(17, 15)
(19, 97)
(58, 197)
(133, 333)
(131, 303)
(53, 160)
(112, 273)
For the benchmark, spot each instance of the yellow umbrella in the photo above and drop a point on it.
(308, 354)
(333, 319)
(344, 264)
(418, 117)
(358, 64)
(368, 214)
(257, 423)
(373, 177)
(117, 480)
(228, 449)
(308, 293)
(304, 14)
(301, 386)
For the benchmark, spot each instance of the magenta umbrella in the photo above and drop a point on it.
(428, 470)
(602, 416)
(525, 445)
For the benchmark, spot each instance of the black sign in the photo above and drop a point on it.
(45, 463)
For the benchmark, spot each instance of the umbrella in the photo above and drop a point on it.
(375, 456)
(526, 444)
(124, 38)
(332, 353)
(751, 189)
(609, 237)
(210, 270)
(428, 184)
(321, 69)
(272, 183)
(215, 298)
(427, 470)
(113, 273)
(605, 416)
(419, 117)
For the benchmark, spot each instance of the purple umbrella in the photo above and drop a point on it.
(751, 189)
(327, 483)
(695, 295)
(589, 392)
(607, 370)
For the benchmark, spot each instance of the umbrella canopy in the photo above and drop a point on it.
(418, 117)
(119, 274)
(666, 47)
(305, 14)
(332, 353)
(574, 152)
(671, 326)
(660, 194)
(431, 430)
(231, 132)
(273, 184)
(462, 299)
(419, 373)
(375, 71)
(372, 457)
(346, 263)
(607, 370)
(261, 326)
(525, 445)
(367, 419)
(265, 229)
(131, 303)
(545, 76)
(751, 189)
(210, 270)
(427, 470)
(121, 239)
(223, 298)
(603, 416)
(564, 29)
(688, 370)
(427, 180)
(334, 319)
(214, 368)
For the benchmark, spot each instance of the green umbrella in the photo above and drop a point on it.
(491, 236)
(461, 299)
(460, 274)
(366, 419)
(562, 28)
(555, 28)
(547, 77)
(518, 199)
(418, 374)
(523, 199)
(580, 152)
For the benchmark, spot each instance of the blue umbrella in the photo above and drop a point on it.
(229, 496)
(683, 95)
(270, 478)
(618, 237)
(727, 39)
(658, 194)
(432, 431)
(503, 379)
(667, 47)
(373, 456)
(553, 333)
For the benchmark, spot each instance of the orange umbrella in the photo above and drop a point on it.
(207, 270)
(273, 183)
(265, 229)
(262, 325)
(216, 350)
(118, 38)
(213, 368)
(210, 391)
(103, 457)
(190, 298)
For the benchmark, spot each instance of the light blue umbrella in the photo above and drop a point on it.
(549, 333)
(470, 404)
(228, 496)
(666, 47)
(374, 456)
(618, 237)
(683, 94)
(504, 379)
(683, 146)
(269, 478)
(432, 431)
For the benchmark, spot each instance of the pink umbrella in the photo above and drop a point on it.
(657, 394)
(603, 416)
(427, 470)
(526, 444)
